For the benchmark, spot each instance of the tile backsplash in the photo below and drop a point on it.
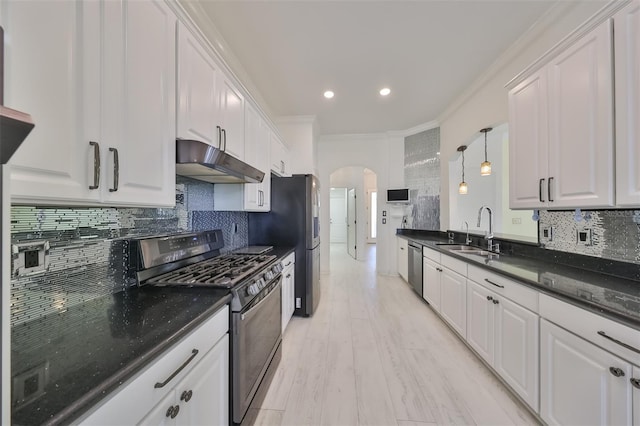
(422, 177)
(609, 234)
(84, 255)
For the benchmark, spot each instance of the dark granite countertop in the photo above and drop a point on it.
(605, 294)
(64, 363)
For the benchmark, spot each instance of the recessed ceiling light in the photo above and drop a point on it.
(328, 94)
(385, 91)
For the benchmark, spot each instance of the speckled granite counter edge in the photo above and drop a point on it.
(432, 238)
(80, 406)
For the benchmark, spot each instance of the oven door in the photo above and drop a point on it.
(257, 334)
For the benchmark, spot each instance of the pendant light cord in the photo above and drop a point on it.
(485, 147)
(463, 165)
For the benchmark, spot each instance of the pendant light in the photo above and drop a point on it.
(462, 188)
(485, 167)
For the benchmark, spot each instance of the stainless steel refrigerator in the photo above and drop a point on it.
(294, 221)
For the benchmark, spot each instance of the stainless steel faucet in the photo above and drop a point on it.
(468, 240)
(488, 236)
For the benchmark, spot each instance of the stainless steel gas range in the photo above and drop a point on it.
(194, 260)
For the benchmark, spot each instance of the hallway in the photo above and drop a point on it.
(375, 354)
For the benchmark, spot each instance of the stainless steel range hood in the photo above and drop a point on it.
(198, 160)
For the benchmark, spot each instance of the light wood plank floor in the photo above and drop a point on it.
(375, 354)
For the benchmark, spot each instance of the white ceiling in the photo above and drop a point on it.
(427, 52)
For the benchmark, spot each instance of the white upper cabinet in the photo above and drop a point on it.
(53, 73)
(280, 156)
(98, 79)
(627, 78)
(561, 117)
(140, 118)
(197, 104)
(231, 116)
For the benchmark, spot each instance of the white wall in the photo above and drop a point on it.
(485, 103)
(384, 155)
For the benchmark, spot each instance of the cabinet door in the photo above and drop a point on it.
(203, 395)
(516, 349)
(528, 139)
(480, 320)
(403, 258)
(431, 283)
(140, 103)
(52, 71)
(161, 413)
(257, 196)
(231, 104)
(197, 105)
(577, 386)
(627, 90)
(581, 123)
(636, 396)
(288, 295)
(453, 300)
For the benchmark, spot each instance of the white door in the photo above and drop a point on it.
(52, 71)
(338, 215)
(453, 300)
(197, 105)
(431, 283)
(203, 395)
(372, 216)
(528, 138)
(627, 99)
(351, 223)
(516, 349)
(480, 320)
(140, 103)
(577, 386)
(581, 123)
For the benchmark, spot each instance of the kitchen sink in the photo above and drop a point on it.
(464, 249)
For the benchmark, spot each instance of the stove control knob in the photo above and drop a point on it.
(260, 283)
(278, 268)
(253, 289)
(268, 275)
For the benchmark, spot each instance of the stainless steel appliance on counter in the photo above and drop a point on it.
(255, 281)
(294, 221)
(415, 267)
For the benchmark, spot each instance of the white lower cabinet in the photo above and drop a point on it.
(431, 283)
(194, 374)
(635, 382)
(288, 289)
(403, 258)
(582, 384)
(202, 397)
(506, 335)
(453, 300)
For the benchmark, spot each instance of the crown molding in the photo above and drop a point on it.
(415, 129)
(296, 119)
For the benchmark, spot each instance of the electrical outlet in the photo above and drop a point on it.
(30, 257)
(516, 221)
(584, 237)
(234, 228)
(546, 234)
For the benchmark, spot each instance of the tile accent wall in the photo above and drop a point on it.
(422, 177)
(85, 254)
(615, 233)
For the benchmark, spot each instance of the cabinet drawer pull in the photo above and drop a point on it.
(96, 165)
(289, 263)
(540, 185)
(116, 169)
(492, 283)
(624, 345)
(439, 269)
(616, 371)
(549, 189)
(186, 396)
(635, 382)
(175, 373)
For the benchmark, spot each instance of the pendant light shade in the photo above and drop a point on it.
(485, 167)
(462, 188)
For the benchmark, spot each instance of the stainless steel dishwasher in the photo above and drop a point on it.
(415, 267)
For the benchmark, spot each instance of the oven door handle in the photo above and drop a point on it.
(269, 296)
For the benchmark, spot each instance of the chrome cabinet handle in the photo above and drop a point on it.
(219, 137)
(116, 169)
(624, 345)
(635, 382)
(540, 184)
(175, 373)
(616, 371)
(224, 137)
(492, 283)
(549, 189)
(96, 165)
